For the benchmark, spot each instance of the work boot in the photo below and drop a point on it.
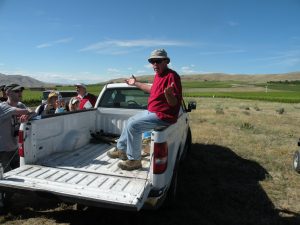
(117, 153)
(130, 165)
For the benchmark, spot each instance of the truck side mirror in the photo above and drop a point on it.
(191, 105)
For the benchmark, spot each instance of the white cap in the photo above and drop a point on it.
(80, 85)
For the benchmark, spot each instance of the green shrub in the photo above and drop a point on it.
(280, 110)
(219, 109)
(246, 113)
(247, 126)
(256, 108)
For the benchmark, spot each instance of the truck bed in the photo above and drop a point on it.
(93, 158)
(85, 173)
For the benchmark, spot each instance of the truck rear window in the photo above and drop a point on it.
(124, 98)
(64, 94)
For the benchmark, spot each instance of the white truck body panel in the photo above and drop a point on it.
(85, 173)
(60, 158)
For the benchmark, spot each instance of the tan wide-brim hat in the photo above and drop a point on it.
(159, 54)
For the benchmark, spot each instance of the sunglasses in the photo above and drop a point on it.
(157, 61)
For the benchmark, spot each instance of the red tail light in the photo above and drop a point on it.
(21, 143)
(160, 158)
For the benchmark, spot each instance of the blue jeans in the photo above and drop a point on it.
(130, 140)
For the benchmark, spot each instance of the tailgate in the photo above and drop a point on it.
(79, 186)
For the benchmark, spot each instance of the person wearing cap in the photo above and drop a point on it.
(52, 106)
(87, 100)
(74, 104)
(163, 108)
(14, 93)
(12, 113)
(3, 98)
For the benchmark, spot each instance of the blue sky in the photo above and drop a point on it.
(91, 41)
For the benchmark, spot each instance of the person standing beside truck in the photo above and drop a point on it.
(14, 93)
(163, 108)
(87, 100)
(12, 113)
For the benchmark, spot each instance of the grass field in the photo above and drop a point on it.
(277, 92)
(239, 171)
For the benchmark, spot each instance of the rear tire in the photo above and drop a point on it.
(171, 195)
(4, 201)
(296, 161)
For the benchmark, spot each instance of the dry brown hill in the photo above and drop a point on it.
(25, 81)
(257, 78)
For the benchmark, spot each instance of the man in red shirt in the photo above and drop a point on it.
(87, 100)
(163, 108)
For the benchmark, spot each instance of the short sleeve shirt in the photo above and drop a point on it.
(8, 142)
(157, 101)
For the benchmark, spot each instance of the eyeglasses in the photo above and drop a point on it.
(157, 61)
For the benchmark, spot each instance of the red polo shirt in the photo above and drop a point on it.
(157, 101)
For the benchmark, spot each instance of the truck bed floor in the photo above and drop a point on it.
(93, 158)
(86, 175)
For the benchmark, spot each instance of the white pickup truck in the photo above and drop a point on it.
(65, 155)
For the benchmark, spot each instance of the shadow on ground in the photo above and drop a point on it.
(216, 187)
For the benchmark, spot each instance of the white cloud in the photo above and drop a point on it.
(53, 43)
(188, 70)
(61, 77)
(45, 45)
(113, 70)
(286, 58)
(222, 52)
(64, 40)
(233, 23)
(124, 46)
(141, 72)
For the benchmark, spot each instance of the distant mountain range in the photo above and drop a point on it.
(27, 81)
(258, 78)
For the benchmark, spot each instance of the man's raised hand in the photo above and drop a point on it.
(131, 80)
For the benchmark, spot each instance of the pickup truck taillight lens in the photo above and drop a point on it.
(160, 158)
(21, 143)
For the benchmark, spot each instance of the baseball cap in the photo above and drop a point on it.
(80, 85)
(13, 87)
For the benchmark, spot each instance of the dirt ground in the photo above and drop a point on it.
(216, 187)
(237, 173)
